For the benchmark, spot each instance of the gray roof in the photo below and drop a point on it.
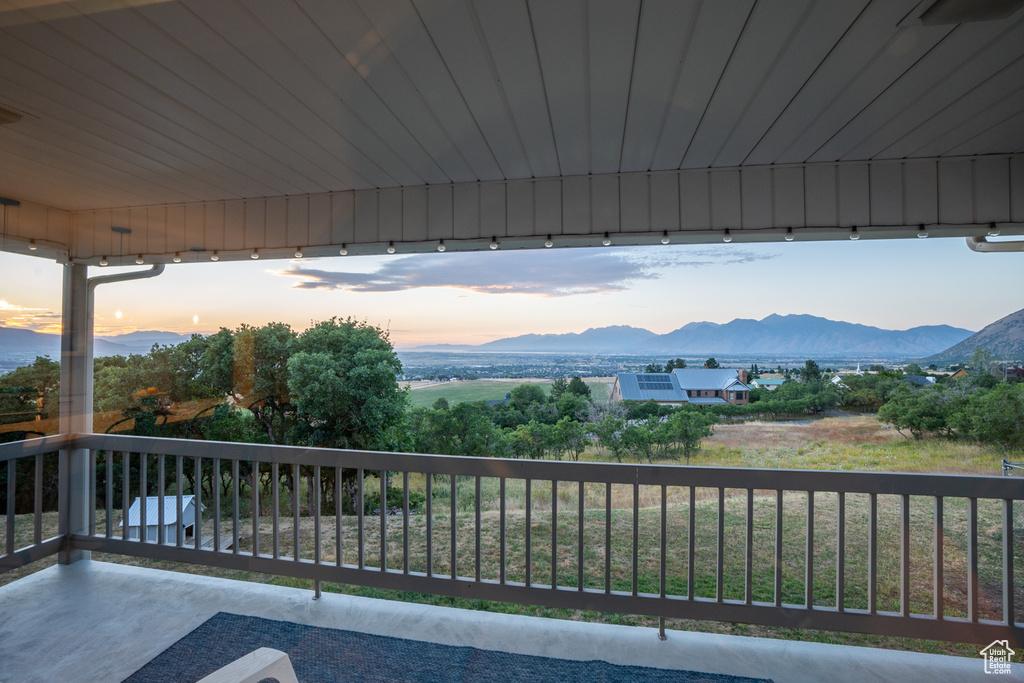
(709, 380)
(650, 387)
(767, 382)
(153, 510)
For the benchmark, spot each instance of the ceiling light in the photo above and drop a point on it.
(789, 235)
(255, 254)
(921, 232)
(607, 241)
(214, 256)
(391, 247)
(664, 237)
(993, 231)
(32, 246)
(494, 243)
(440, 245)
(343, 251)
(548, 243)
(139, 260)
(177, 257)
(854, 235)
(727, 237)
(103, 260)
(298, 252)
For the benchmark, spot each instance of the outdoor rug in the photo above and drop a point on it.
(326, 655)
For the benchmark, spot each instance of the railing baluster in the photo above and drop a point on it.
(430, 522)
(636, 538)
(779, 494)
(453, 508)
(405, 522)
(197, 515)
(501, 531)
(554, 534)
(664, 540)
(873, 553)
(216, 505)
(1008, 588)
(841, 551)
(125, 494)
(938, 561)
(37, 511)
(383, 520)
(255, 507)
(972, 559)
(905, 555)
(720, 569)
(296, 508)
(179, 523)
(92, 492)
(235, 482)
(338, 509)
(108, 481)
(143, 499)
(12, 471)
(691, 544)
(809, 576)
(748, 588)
(529, 535)
(360, 512)
(479, 546)
(316, 514)
(161, 536)
(582, 509)
(607, 538)
(275, 506)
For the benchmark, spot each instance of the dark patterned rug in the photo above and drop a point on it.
(326, 655)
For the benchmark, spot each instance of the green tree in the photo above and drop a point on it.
(30, 391)
(343, 381)
(639, 438)
(688, 428)
(609, 435)
(573, 406)
(579, 387)
(573, 436)
(558, 387)
(811, 372)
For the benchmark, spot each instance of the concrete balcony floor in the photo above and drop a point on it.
(95, 621)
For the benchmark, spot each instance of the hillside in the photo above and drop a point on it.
(1004, 339)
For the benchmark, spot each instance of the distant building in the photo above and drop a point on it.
(698, 386)
(919, 380)
(769, 384)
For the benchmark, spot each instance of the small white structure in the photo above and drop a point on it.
(188, 517)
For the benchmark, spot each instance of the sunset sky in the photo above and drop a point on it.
(477, 297)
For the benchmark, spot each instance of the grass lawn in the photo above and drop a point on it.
(855, 443)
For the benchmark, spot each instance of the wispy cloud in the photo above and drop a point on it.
(36, 319)
(563, 272)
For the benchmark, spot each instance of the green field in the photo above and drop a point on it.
(491, 390)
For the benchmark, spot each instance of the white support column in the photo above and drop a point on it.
(75, 405)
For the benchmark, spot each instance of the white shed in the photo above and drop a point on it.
(188, 517)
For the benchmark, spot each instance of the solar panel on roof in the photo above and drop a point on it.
(654, 382)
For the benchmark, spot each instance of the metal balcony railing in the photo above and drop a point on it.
(914, 555)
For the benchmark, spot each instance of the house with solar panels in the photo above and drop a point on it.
(698, 386)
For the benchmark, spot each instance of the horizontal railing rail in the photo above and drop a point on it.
(25, 461)
(914, 555)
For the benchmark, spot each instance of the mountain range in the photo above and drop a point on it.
(20, 342)
(775, 335)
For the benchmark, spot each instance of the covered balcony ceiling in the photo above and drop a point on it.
(234, 125)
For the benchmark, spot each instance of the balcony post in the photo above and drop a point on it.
(75, 406)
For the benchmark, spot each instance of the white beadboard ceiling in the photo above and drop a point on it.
(240, 124)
